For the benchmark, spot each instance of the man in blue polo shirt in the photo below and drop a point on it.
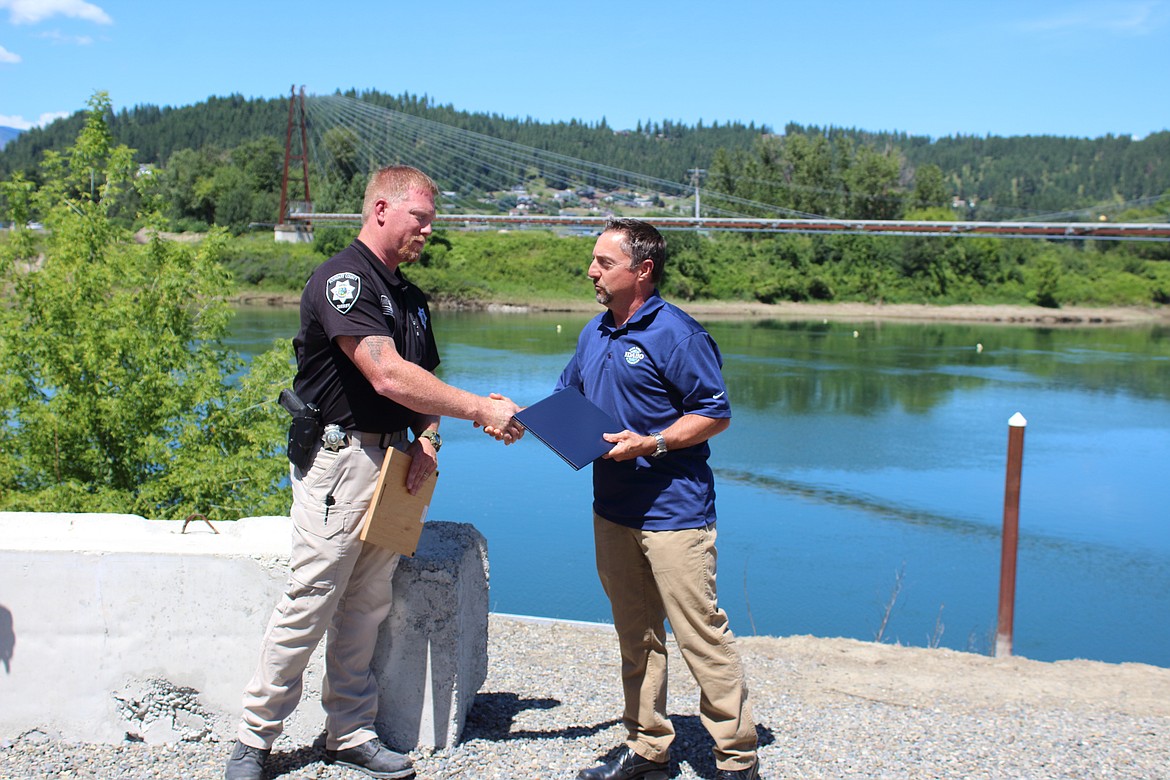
(658, 372)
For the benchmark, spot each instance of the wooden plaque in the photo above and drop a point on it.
(395, 517)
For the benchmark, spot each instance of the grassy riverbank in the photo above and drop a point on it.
(768, 275)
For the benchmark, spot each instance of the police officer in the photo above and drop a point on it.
(365, 356)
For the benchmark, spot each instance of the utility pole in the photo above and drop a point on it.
(696, 174)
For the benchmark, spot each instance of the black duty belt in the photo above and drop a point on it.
(334, 438)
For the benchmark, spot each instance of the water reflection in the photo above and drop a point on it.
(883, 510)
(858, 450)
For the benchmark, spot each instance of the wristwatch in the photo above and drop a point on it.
(436, 439)
(660, 450)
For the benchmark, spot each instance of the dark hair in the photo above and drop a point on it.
(640, 241)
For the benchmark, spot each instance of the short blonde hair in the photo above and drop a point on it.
(393, 183)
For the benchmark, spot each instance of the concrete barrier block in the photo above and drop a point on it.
(432, 650)
(115, 627)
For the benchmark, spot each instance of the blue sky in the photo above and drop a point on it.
(1022, 67)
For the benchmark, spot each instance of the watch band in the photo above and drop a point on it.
(660, 450)
(434, 437)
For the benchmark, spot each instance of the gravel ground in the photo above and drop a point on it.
(825, 708)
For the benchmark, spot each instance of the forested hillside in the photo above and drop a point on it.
(661, 148)
(157, 133)
(824, 171)
(218, 163)
(1022, 176)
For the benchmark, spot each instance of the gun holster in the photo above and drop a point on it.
(304, 432)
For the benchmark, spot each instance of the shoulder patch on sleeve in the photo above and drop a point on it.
(342, 290)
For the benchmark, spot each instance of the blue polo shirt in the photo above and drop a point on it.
(659, 366)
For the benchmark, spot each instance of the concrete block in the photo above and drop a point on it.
(293, 234)
(432, 650)
(115, 627)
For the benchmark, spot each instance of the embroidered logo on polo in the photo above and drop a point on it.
(634, 356)
(422, 316)
(387, 306)
(342, 291)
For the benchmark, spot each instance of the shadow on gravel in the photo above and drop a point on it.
(285, 762)
(492, 714)
(692, 745)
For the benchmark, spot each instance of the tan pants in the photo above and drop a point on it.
(337, 584)
(652, 576)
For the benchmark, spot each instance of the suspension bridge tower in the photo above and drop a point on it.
(296, 150)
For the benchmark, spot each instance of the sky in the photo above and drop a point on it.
(1014, 67)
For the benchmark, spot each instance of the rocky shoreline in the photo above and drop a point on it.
(826, 709)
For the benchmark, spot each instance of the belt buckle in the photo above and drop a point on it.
(333, 437)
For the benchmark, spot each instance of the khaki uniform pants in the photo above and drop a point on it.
(337, 584)
(652, 576)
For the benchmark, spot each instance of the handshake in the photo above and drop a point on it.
(499, 420)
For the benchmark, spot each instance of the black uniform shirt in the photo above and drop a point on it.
(354, 294)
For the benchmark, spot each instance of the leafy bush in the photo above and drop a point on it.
(119, 395)
(466, 266)
(328, 240)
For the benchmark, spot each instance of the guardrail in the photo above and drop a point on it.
(1102, 231)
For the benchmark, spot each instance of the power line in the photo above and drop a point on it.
(388, 135)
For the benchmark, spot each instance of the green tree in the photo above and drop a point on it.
(343, 147)
(262, 161)
(117, 391)
(1048, 279)
(872, 180)
(180, 186)
(232, 195)
(930, 190)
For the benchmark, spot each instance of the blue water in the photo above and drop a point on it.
(864, 470)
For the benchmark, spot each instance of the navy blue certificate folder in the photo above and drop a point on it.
(570, 425)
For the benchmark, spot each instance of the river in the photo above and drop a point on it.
(861, 483)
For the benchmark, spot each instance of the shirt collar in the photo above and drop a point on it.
(393, 278)
(641, 319)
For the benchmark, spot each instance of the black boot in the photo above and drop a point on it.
(245, 763)
(627, 766)
(751, 773)
(374, 759)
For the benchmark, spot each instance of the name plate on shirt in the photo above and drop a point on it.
(570, 425)
(395, 517)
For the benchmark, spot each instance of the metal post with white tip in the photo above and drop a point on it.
(1011, 536)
